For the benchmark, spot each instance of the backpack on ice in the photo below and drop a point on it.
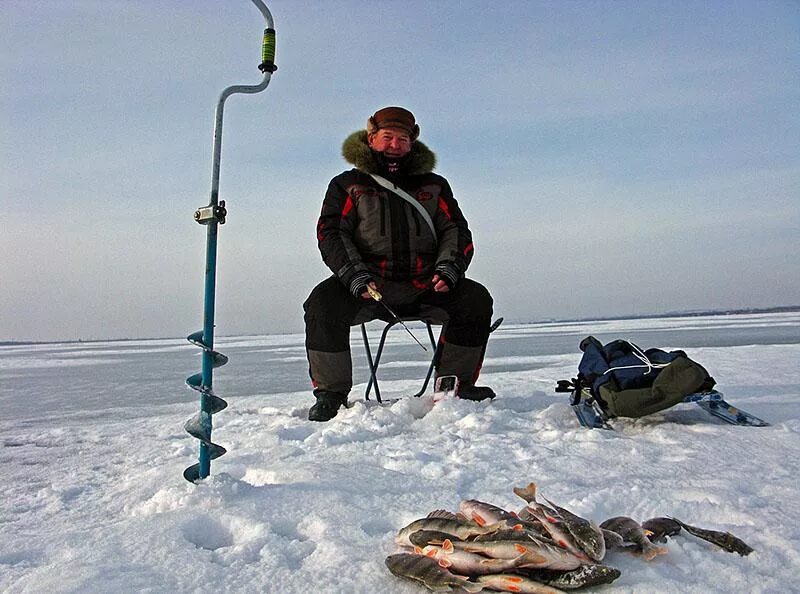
(630, 382)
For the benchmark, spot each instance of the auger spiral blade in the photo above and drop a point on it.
(200, 425)
(192, 473)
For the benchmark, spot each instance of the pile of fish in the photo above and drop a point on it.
(540, 549)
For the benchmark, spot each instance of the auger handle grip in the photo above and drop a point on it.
(268, 51)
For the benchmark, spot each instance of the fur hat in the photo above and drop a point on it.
(393, 117)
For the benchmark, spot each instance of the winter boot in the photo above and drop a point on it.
(327, 405)
(476, 393)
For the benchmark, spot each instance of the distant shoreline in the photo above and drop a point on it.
(670, 314)
(675, 314)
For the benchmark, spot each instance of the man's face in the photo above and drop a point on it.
(391, 141)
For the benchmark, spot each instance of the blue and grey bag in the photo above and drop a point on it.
(630, 382)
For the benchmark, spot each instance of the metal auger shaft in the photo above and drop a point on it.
(213, 215)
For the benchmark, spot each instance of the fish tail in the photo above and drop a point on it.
(527, 493)
(653, 551)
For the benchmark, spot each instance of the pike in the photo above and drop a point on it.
(725, 540)
(631, 531)
(427, 571)
(379, 298)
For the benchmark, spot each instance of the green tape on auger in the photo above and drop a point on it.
(268, 52)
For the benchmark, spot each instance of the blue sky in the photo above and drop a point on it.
(611, 157)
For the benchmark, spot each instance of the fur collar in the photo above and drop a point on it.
(355, 150)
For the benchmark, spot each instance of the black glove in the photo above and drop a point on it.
(448, 272)
(359, 282)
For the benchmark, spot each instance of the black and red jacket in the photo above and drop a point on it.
(364, 227)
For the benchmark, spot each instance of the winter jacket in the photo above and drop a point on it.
(364, 227)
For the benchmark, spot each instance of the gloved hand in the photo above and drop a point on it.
(358, 284)
(448, 273)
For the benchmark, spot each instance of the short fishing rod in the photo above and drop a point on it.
(379, 298)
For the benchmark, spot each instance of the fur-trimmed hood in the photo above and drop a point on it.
(355, 150)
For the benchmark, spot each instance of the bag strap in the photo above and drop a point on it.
(408, 198)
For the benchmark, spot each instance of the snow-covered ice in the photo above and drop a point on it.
(92, 450)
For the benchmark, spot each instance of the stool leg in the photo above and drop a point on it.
(372, 367)
(373, 364)
(378, 354)
(435, 348)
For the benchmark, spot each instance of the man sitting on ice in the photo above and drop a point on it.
(371, 236)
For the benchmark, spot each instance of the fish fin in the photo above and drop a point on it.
(536, 558)
(429, 552)
(418, 550)
(648, 533)
(527, 493)
(447, 546)
(514, 514)
(445, 562)
(478, 519)
(519, 558)
(518, 527)
(652, 552)
(512, 579)
(520, 548)
(443, 513)
(512, 583)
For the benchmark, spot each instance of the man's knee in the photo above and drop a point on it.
(475, 300)
(484, 303)
(470, 315)
(329, 299)
(329, 311)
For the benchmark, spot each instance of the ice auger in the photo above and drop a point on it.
(213, 215)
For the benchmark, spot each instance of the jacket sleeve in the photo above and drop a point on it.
(335, 227)
(455, 238)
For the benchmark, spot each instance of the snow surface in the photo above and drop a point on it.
(93, 499)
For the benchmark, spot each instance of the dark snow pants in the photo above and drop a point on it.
(331, 310)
